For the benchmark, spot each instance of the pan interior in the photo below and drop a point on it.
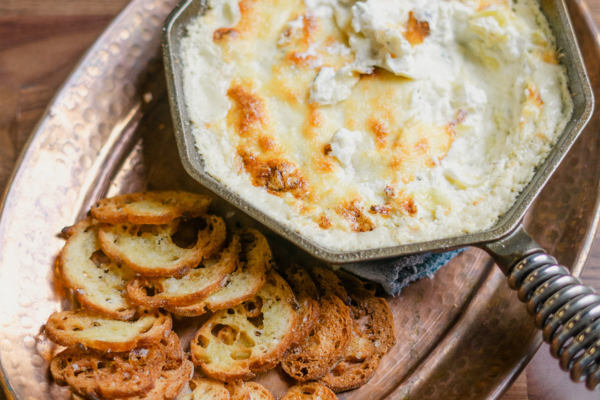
(578, 85)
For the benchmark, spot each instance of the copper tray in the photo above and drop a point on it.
(462, 335)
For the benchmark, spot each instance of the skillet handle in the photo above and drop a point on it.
(567, 311)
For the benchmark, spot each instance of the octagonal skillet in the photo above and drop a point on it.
(567, 311)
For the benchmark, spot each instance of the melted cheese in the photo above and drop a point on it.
(365, 124)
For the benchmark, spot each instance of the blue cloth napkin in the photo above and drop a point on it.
(394, 274)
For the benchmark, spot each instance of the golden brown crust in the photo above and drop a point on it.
(199, 283)
(326, 344)
(416, 31)
(206, 389)
(149, 250)
(171, 382)
(155, 208)
(258, 391)
(97, 281)
(237, 390)
(168, 385)
(352, 212)
(309, 391)
(109, 375)
(174, 355)
(328, 282)
(358, 367)
(249, 110)
(212, 238)
(373, 336)
(242, 284)
(307, 298)
(275, 175)
(236, 343)
(95, 331)
(380, 323)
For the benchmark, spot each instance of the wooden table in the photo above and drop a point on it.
(40, 43)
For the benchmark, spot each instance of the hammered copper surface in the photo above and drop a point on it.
(461, 335)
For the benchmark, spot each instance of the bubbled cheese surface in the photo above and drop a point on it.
(373, 123)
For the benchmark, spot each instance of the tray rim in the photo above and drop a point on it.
(507, 224)
(582, 256)
(7, 388)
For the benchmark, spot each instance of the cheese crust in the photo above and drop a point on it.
(373, 123)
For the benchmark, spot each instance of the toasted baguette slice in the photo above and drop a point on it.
(154, 208)
(328, 282)
(372, 312)
(358, 366)
(373, 336)
(319, 352)
(206, 389)
(98, 282)
(169, 384)
(308, 299)
(149, 249)
(243, 284)
(309, 391)
(258, 391)
(174, 355)
(95, 331)
(251, 337)
(199, 283)
(109, 375)
(237, 390)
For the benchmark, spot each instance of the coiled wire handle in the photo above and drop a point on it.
(567, 311)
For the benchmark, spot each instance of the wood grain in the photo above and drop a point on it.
(79, 8)
(41, 42)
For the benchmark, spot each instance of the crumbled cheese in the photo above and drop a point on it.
(343, 147)
(331, 87)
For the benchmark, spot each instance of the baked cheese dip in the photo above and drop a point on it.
(373, 123)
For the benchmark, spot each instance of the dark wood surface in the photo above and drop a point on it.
(41, 42)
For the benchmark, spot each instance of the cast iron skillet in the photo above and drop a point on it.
(567, 311)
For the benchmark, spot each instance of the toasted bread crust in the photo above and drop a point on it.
(97, 282)
(198, 284)
(373, 336)
(258, 391)
(319, 352)
(91, 330)
(328, 282)
(206, 389)
(211, 238)
(308, 301)
(309, 391)
(242, 284)
(174, 355)
(152, 253)
(109, 375)
(170, 383)
(380, 325)
(237, 390)
(152, 208)
(236, 343)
